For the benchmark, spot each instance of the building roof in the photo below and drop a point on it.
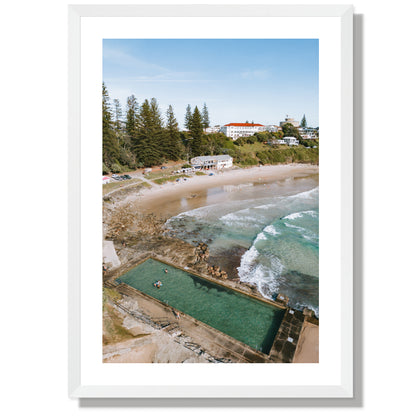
(217, 157)
(244, 125)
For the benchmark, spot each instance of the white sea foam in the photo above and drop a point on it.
(271, 230)
(263, 277)
(233, 219)
(308, 235)
(306, 194)
(300, 214)
(301, 305)
(259, 237)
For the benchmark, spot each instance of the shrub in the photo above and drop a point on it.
(116, 168)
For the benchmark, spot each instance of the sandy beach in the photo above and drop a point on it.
(172, 198)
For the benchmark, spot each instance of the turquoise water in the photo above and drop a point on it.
(248, 320)
(265, 234)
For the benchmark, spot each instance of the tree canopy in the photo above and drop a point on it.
(205, 117)
(303, 123)
(188, 118)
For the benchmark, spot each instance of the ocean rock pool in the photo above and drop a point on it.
(251, 321)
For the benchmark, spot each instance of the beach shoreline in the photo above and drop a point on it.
(155, 198)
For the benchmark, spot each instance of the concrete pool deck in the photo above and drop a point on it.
(200, 337)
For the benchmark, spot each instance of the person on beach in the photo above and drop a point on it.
(178, 316)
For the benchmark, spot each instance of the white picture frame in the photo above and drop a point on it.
(81, 318)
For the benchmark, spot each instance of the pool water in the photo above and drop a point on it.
(246, 319)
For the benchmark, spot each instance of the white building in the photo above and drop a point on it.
(272, 128)
(291, 141)
(236, 130)
(292, 121)
(212, 162)
(214, 129)
(308, 133)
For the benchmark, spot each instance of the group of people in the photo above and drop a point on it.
(158, 283)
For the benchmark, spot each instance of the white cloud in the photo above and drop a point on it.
(256, 74)
(146, 71)
(121, 58)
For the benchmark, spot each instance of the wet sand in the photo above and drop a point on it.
(172, 198)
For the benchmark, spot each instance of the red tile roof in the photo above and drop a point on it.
(244, 125)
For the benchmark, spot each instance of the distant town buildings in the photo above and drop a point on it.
(236, 130)
(212, 162)
(308, 133)
(291, 121)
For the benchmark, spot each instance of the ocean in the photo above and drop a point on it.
(266, 234)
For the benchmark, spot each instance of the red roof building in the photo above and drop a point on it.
(244, 125)
(236, 130)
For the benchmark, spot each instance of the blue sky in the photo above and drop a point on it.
(260, 80)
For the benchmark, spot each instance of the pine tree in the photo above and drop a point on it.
(303, 123)
(188, 118)
(146, 144)
(132, 117)
(174, 147)
(205, 117)
(118, 115)
(110, 145)
(197, 130)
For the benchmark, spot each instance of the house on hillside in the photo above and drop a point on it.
(308, 133)
(236, 130)
(212, 162)
(291, 141)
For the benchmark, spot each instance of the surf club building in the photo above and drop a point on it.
(236, 130)
(212, 162)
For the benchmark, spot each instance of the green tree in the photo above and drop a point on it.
(197, 130)
(110, 145)
(173, 143)
(205, 117)
(132, 117)
(289, 130)
(149, 134)
(118, 115)
(188, 118)
(303, 123)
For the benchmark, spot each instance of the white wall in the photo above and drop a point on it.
(33, 275)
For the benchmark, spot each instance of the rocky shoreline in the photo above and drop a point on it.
(136, 236)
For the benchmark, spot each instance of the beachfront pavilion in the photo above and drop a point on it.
(212, 162)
